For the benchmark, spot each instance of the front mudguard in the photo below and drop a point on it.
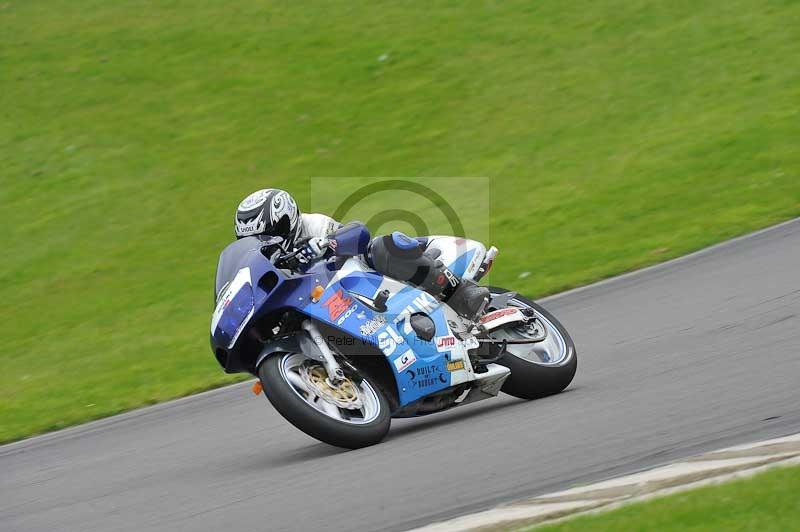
(298, 342)
(283, 344)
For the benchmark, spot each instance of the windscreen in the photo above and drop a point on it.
(232, 259)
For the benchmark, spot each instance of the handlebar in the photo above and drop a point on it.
(289, 260)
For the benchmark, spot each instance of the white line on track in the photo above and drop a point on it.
(709, 468)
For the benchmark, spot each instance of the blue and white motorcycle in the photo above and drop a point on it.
(340, 349)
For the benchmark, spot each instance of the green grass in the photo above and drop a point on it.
(763, 503)
(615, 134)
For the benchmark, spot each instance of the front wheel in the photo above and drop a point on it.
(540, 369)
(353, 415)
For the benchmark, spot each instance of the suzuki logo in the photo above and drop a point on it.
(337, 304)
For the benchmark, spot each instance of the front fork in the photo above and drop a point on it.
(335, 373)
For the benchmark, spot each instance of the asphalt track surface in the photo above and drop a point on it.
(693, 355)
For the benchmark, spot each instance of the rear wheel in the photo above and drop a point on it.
(539, 369)
(352, 415)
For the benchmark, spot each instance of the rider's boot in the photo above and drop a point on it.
(467, 298)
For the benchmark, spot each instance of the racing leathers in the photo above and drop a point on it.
(400, 257)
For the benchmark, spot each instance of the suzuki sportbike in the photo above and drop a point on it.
(340, 349)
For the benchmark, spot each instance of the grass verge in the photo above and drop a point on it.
(763, 503)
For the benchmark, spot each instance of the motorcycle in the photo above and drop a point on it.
(340, 349)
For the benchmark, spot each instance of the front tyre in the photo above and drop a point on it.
(540, 369)
(352, 416)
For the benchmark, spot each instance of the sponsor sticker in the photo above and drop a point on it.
(372, 326)
(498, 314)
(337, 304)
(426, 377)
(404, 361)
(445, 343)
(455, 365)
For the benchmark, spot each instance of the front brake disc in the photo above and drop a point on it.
(344, 395)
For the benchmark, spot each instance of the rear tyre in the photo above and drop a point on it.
(296, 388)
(538, 370)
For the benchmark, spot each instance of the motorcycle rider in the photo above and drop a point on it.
(273, 212)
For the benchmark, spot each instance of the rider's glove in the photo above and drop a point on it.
(313, 249)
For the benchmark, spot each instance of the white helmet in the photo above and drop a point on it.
(269, 211)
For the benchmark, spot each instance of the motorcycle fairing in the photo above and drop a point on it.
(420, 367)
(246, 279)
